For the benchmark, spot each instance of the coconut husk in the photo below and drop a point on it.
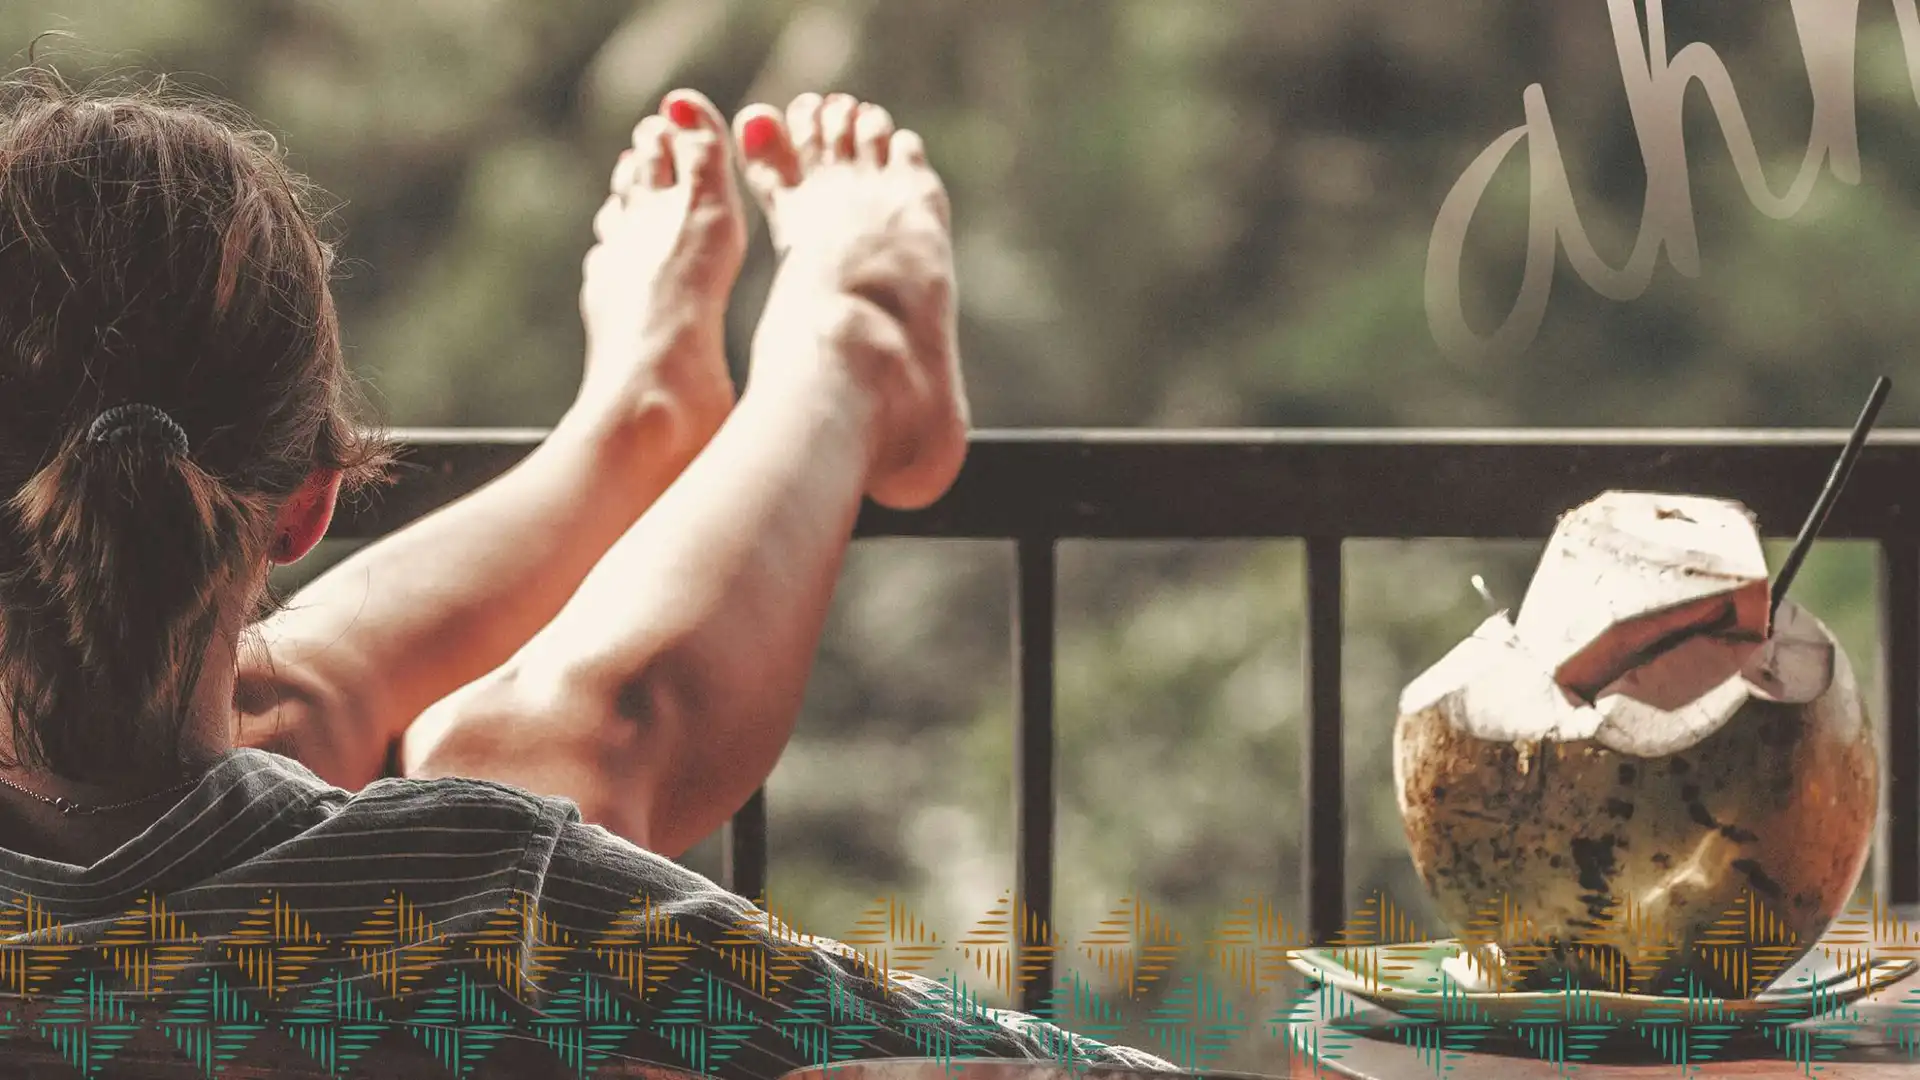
(1640, 747)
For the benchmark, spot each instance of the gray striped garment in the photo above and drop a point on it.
(453, 915)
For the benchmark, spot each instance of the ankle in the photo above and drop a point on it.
(640, 434)
(684, 378)
(843, 339)
(839, 354)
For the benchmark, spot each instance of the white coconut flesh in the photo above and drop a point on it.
(1668, 595)
(1631, 575)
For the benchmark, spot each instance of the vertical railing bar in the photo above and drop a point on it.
(1324, 855)
(743, 850)
(1899, 849)
(1033, 780)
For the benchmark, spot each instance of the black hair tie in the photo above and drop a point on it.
(135, 421)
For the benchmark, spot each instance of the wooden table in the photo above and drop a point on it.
(1364, 1044)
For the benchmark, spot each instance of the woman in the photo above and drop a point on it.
(625, 619)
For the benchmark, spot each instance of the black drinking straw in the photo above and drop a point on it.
(1842, 469)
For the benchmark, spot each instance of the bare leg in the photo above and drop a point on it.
(365, 649)
(665, 691)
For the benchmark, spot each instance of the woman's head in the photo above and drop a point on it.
(160, 264)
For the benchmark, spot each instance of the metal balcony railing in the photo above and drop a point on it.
(1036, 488)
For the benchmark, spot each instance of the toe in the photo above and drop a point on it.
(690, 110)
(607, 220)
(652, 154)
(700, 159)
(803, 127)
(699, 144)
(837, 115)
(623, 171)
(873, 134)
(908, 150)
(768, 157)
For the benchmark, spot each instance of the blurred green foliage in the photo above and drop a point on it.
(1170, 213)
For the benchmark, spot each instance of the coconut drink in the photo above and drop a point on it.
(1650, 762)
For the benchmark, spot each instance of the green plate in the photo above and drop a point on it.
(1428, 980)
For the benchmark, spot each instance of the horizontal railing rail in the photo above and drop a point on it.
(1036, 488)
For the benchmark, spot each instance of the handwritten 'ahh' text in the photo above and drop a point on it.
(1656, 86)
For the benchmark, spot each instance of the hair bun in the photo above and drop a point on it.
(137, 421)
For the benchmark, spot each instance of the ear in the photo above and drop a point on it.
(305, 517)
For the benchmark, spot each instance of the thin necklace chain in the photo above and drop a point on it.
(70, 809)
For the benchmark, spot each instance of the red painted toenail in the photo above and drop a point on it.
(759, 134)
(684, 114)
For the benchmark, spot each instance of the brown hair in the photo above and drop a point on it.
(154, 251)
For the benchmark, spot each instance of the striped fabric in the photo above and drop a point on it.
(456, 905)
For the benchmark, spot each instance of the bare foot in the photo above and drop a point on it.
(856, 210)
(671, 238)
